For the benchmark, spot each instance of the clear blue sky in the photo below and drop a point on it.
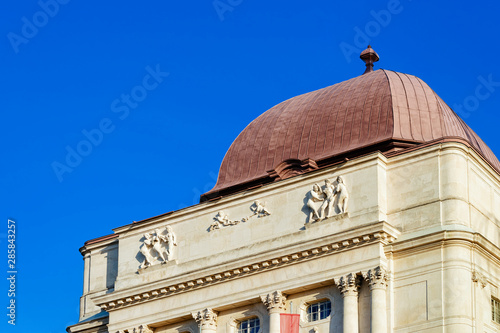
(63, 74)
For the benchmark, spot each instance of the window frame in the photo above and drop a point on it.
(241, 321)
(308, 305)
(495, 310)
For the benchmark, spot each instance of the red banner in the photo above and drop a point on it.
(289, 323)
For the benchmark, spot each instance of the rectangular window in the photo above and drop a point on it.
(495, 310)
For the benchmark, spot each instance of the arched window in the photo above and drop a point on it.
(251, 325)
(319, 310)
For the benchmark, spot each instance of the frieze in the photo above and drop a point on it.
(221, 219)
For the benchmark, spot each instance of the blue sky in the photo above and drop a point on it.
(200, 71)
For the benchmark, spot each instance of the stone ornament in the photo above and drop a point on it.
(143, 329)
(328, 201)
(139, 329)
(348, 284)
(377, 277)
(258, 209)
(206, 318)
(158, 247)
(274, 301)
(221, 219)
(479, 278)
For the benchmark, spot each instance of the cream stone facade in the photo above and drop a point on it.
(418, 250)
(390, 224)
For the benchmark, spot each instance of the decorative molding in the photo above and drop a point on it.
(253, 268)
(377, 278)
(275, 301)
(292, 167)
(330, 219)
(348, 284)
(327, 201)
(221, 219)
(206, 318)
(479, 278)
(158, 247)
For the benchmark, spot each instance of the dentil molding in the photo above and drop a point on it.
(118, 301)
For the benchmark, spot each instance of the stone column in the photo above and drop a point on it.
(86, 269)
(207, 320)
(349, 287)
(275, 303)
(377, 279)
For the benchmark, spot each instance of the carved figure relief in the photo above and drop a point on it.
(158, 246)
(259, 209)
(221, 219)
(328, 201)
(138, 329)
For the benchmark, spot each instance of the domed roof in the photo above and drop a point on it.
(378, 111)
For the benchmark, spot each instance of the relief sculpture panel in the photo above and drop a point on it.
(158, 247)
(328, 200)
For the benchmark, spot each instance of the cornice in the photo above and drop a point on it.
(445, 146)
(91, 325)
(380, 233)
(98, 243)
(445, 236)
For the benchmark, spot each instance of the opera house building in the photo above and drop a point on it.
(365, 206)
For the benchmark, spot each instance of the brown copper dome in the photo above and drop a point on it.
(379, 111)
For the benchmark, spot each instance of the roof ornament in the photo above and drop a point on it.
(369, 56)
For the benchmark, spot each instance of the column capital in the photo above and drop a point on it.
(377, 278)
(481, 279)
(143, 329)
(206, 318)
(275, 301)
(348, 284)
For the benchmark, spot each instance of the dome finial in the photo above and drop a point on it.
(369, 56)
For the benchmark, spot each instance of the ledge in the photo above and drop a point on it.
(97, 323)
(379, 232)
